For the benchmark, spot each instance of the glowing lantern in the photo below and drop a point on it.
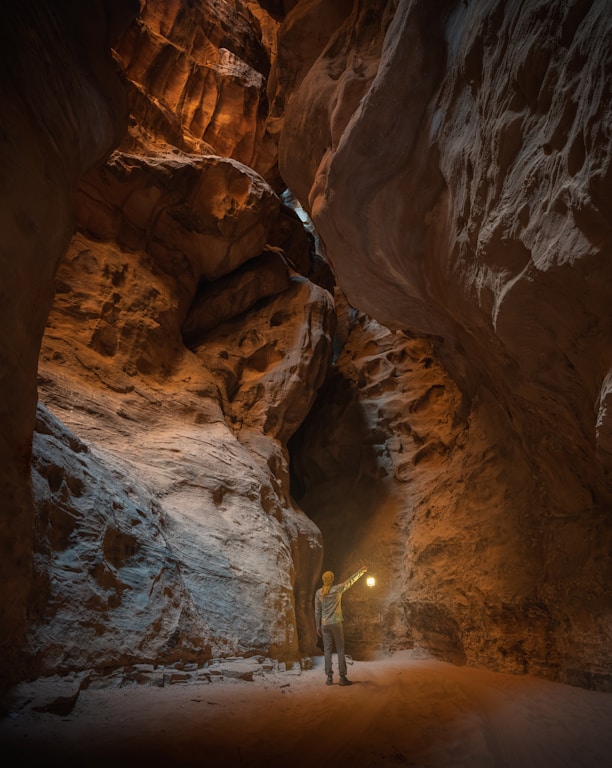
(370, 581)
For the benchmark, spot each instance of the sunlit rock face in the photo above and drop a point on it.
(106, 577)
(184, 348)
(455, 159)
(200, 436)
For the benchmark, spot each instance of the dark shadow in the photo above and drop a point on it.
(336, 477)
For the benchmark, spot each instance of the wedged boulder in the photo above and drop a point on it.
(197, 216)
(228, 297)
(273, 361)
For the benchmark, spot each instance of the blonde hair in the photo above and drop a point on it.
(328, 580)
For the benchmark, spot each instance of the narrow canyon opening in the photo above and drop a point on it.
(213, 392)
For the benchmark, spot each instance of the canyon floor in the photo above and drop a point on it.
(401, 710)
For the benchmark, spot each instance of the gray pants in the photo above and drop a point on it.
(334, 633)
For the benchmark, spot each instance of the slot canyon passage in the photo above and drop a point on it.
(296, 285)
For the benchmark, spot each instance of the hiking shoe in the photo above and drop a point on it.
(330, 680)
(345, 681)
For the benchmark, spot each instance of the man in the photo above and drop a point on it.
(328, 617)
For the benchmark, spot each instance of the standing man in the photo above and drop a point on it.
(328, 616)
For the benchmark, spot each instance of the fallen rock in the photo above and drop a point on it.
(227, 298)
(54, 694)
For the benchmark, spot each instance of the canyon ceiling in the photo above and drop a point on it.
(208, 396)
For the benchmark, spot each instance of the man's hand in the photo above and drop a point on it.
(319, 632)
(364, 568)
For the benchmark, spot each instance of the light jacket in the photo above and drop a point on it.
(328, 608)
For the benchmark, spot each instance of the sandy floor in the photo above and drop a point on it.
(401, 711)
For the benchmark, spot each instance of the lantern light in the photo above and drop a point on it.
(370, 581)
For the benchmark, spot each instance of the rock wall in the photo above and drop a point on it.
(457, 168)
(64, 108)
(215, 425)
(185, 346)
(197, 80)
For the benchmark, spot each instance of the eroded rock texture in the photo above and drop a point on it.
(215, 424)
(457, 167)
(198, 75)
(203, 432)
(184, 349)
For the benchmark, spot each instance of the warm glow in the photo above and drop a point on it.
(370, 581)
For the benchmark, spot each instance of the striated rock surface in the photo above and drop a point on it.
(198, 76)
(185, 349)
(106, 579)
(457, 167)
